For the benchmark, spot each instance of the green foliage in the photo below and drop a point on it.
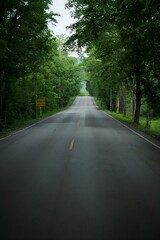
(124, 36)
(32, 63)
(154, 130)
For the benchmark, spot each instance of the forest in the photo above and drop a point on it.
(33, 63)
(122, 67)
(122, 40)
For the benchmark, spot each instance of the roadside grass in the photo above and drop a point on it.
(22, 123)
(153, 131)
(121, 117)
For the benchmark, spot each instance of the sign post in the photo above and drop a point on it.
(40, 111)
(40, 102)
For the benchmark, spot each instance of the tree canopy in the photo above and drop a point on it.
(123, 65)
(31, 63)
(124, 36)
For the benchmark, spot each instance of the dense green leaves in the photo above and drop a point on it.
(31, 66)
(124, 35)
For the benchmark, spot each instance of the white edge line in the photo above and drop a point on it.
(18, 131)
(138, 134)
(71, 144)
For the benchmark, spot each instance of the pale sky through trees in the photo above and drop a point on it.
(64, 20)
(58, 6)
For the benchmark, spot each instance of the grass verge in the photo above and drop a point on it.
(22, 123)
(153, 131)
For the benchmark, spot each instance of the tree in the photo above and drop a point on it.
(136, 24)
(24, 44)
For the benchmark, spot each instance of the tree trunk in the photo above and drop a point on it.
(156, 60)
(2, 104)
(123, 100)
(148, 119)
(1, 98)
(124, 110)
(132, 104)
(111, 100)
(117, 103)
(138, 87)
(138, 102)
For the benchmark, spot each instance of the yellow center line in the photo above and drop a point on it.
(71, 144)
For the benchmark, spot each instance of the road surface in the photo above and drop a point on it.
(79, 175)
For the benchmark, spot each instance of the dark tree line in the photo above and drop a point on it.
(123, 42)
(31, 66)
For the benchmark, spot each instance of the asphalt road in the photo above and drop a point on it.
(79, 175)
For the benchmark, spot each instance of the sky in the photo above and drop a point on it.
(64, 20)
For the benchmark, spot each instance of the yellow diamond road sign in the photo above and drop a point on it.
(40, 102)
